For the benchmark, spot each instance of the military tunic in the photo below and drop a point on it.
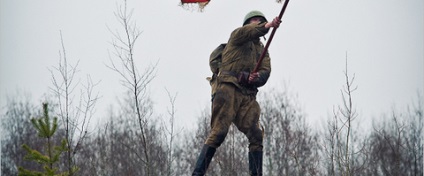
(233, 102)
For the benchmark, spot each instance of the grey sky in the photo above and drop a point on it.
(383, 40)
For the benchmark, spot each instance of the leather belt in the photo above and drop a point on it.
(230, 73)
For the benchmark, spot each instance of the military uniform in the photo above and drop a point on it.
(233, 101)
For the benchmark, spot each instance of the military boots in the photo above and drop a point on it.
(203, 161)
(255, 163)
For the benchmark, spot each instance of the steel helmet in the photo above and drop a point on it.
(252, 14)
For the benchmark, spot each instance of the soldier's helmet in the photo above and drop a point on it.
(252, 14)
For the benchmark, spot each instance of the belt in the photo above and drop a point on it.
(230, 73)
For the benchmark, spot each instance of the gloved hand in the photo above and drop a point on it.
(254, 78)
(250, 79)
(243, 78)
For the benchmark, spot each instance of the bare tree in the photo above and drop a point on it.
(290, 146)
(16, 129)
(96, 158)
(344, 153)
(187, 147)
(115, 149)
(170, 133)
(75, 113)
(414, 138)
(396, 143)
(135, 82)
(387, 146)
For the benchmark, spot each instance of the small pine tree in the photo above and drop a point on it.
(46, 129)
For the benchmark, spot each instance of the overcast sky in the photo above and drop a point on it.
(382, 39)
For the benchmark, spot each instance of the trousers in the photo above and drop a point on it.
(231, 106)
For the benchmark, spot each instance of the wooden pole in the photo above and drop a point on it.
(270, 39)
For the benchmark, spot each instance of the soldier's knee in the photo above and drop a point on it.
(255, 136)
(256, 140)
(216, 139)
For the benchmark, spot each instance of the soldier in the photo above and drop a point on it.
(234, 90)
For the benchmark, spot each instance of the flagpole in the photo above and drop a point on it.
(270, 38)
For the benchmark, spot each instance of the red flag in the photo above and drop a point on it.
(190, 4)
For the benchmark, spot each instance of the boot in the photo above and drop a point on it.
(203, 161)
(255, 163)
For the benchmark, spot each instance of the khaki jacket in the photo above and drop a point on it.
(241, 54)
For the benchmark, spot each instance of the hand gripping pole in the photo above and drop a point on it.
(270, 39)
